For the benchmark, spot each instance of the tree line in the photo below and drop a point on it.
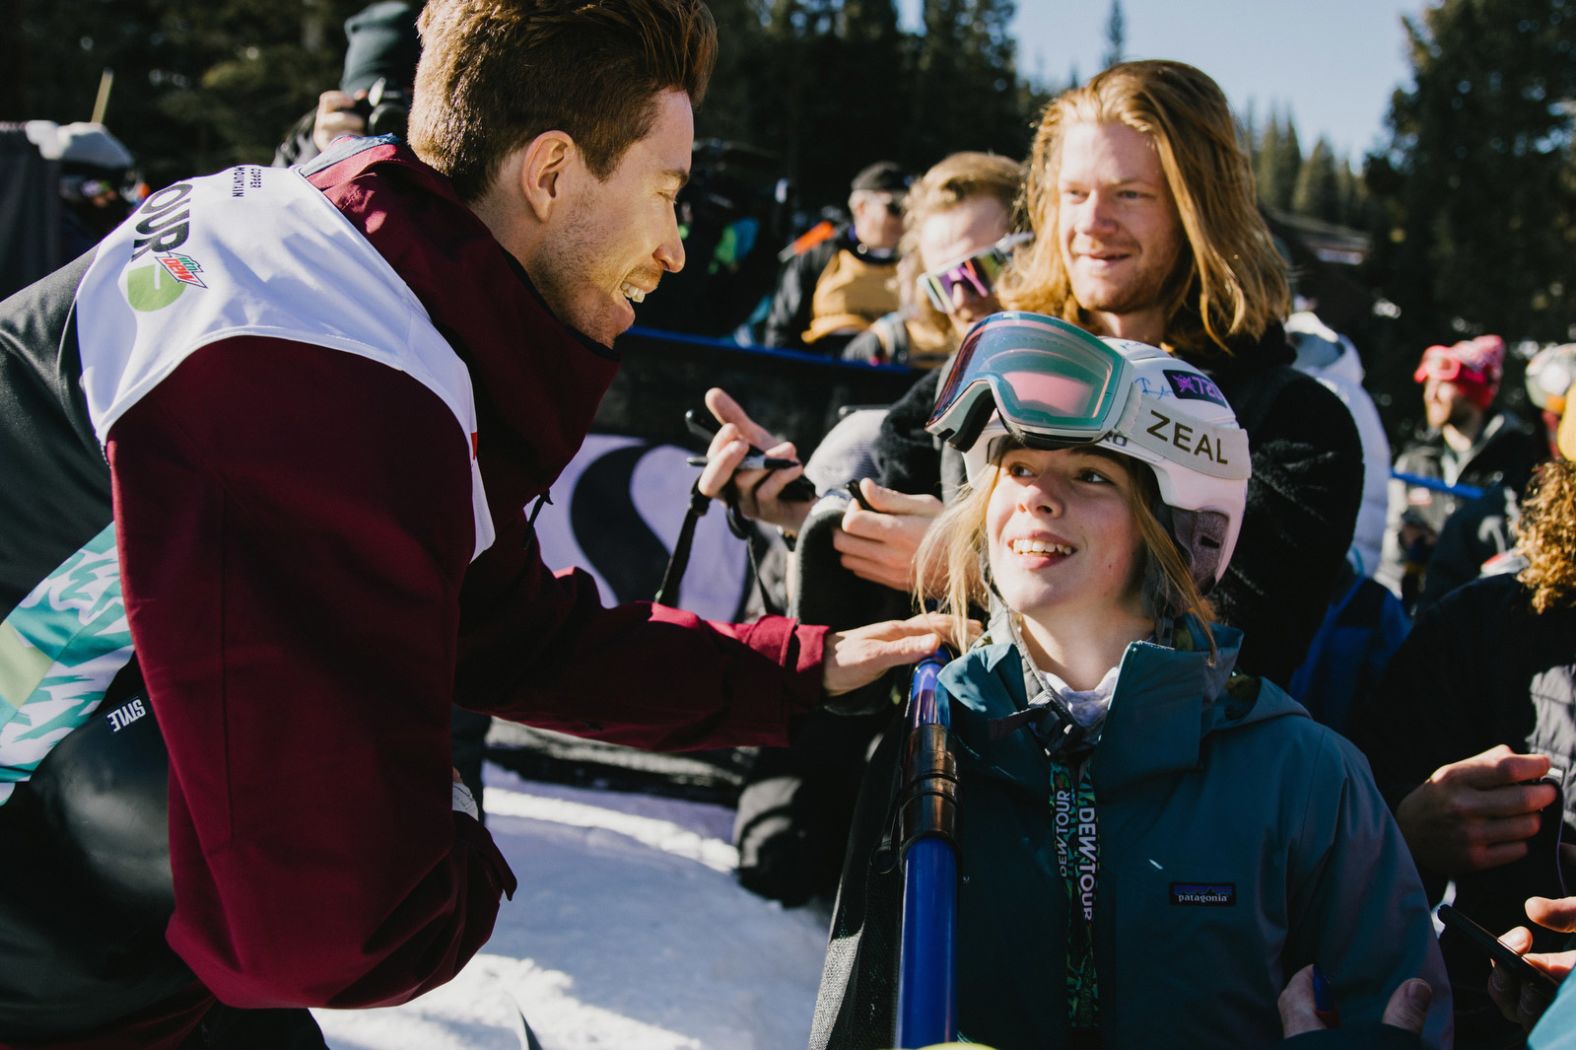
(1470, 206)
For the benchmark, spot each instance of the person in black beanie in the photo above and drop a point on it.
(381, 51)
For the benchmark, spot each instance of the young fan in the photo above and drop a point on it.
(1151, 844)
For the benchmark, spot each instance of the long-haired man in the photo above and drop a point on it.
(1142, 200)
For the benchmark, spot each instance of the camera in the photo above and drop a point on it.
(386, 109)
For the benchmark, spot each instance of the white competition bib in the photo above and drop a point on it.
(254, 252)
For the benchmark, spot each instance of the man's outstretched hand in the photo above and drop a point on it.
(859, 656)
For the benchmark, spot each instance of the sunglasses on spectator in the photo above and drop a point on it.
(892, 204)
(977, 274)
(1445, 368)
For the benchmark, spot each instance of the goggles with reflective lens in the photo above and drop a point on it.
(977, 274)
(1056, 386)
(1046, 377)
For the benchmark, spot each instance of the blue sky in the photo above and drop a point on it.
(1335, 63)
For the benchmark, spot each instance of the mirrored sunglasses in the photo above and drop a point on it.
(977, 274)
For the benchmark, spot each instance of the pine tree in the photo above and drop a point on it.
(1287, 165)
(1266, 155)
(965, 93)
(1482, 202)
(1318, 192)
(1353, 193)
(1115, 36)
(736, 106)
(872, 21)
(1248, 131)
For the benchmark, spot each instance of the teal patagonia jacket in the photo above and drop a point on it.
(1239, 840)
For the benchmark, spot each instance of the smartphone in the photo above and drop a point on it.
(1519, 968)
(859, 497)
(700, 424)
(703, 426)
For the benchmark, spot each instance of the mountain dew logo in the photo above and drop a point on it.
(150, 288)
(164, 223)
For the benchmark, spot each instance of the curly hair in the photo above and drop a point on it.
(1547, 536)
(1229, 283)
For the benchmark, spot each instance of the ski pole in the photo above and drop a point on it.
(926, 986)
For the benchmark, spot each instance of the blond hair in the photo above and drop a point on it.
(1547, 536)
(495, 74)
(950, 182)
(1229, 283)
(954, 550)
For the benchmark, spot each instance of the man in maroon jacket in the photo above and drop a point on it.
(265, 460)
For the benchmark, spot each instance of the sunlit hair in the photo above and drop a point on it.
(955, 179)
(494, 74)
(1229, 282)
(955, 550)
(1547, 536)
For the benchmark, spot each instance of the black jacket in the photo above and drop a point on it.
(1480, 668)
(298, 146)
(1504, 454)
(793, 304)
(1501, 461)
(1302, 499)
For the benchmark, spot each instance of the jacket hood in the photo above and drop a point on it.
(1336, 359)
(1167, 701)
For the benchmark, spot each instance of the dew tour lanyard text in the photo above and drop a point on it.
(1078, 860)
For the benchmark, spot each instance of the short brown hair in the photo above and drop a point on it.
(1229, 282)
(495, 74)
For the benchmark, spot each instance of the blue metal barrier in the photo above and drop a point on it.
(1435, 485)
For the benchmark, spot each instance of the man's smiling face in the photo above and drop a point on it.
(614, 238)
(1117, 225)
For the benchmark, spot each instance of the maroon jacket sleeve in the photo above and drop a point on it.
(294, 529)
(545, 651)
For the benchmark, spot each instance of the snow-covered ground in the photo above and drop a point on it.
(628, 932)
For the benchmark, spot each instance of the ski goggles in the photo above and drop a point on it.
(1048, 379)
(977, 274)
(1053, 385)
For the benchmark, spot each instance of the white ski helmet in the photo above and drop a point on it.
(1050, 384)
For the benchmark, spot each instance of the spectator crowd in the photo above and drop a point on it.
(1283, 689)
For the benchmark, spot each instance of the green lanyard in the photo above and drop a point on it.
(1078, 860)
